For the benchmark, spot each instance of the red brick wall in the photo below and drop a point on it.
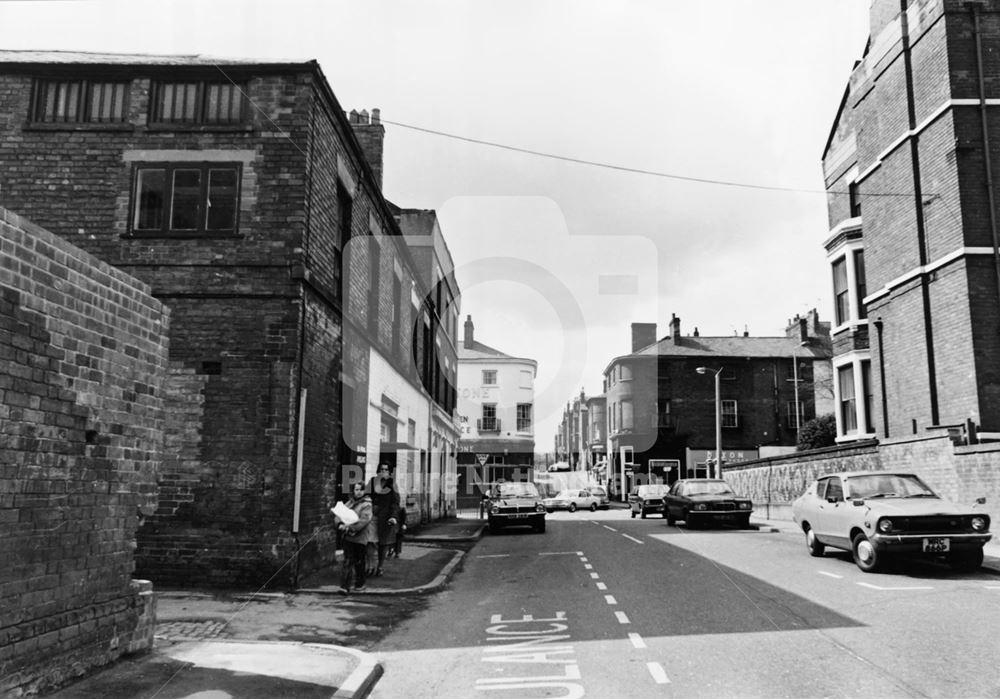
(84, 355)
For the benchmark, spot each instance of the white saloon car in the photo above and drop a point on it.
(573, 500)
(880, 514)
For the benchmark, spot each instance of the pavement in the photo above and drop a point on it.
(196, 655)
(211, 644)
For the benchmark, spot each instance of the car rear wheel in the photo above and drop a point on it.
(966, 561)
(593, 507)
(866, 556)
(813, 544)
(572, 507)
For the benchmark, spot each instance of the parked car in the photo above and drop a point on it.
(645, 499)
(880, 514)
(601, 493)
(699, 501)
(572, 500)
(514, 504)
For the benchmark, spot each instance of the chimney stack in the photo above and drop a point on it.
(675, 329)
(371, 135)
(469, 333)
(643, 335)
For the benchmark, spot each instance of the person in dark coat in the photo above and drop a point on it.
(356, 537)
(385, 512)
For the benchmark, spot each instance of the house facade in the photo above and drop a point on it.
(251, 205)
(496, 403)
(661, 410)
(913, 244)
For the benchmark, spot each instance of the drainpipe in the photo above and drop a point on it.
(977, 32)
(919, 212)
(881, 374)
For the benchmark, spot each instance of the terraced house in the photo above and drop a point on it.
(252, 206)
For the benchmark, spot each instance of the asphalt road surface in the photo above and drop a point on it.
(604, 606)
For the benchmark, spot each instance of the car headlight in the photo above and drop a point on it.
(980, 523)
(885, 525)
(495, 509)
(539, 507)
(744, 505)
(701, 506)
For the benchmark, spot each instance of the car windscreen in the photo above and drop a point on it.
(647, 490)
(887, 485)
(516, 490)
(708, 488)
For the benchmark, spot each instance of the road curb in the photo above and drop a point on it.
(445, 538)
(437, 582)
(361, 680)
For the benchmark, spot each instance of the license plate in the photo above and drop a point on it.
(724, 516)
(518, 516)
(936, 545)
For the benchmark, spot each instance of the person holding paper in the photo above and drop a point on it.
(356, 537)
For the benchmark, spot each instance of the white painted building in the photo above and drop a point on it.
(496, 406)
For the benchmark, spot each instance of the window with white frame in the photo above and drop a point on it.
(848, 412)
(849, 286)
(627, 415)
(524, 417)
(489, 377)
(730, 414)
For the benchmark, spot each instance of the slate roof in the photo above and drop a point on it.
(480, 351)
(95, 58)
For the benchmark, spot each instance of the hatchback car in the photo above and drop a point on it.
(880, 514)
(699, 501)
(601, 493)
(572, 500)
(645, 499)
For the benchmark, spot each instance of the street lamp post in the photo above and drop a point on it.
(718, 419)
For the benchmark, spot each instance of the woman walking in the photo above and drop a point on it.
(385, 510)
(355, 540)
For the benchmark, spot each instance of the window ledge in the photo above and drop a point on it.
(78, 126)
(167, 126)
(214, 235)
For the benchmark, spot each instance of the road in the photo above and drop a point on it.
(602, 605)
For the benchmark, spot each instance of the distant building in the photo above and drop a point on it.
(581, 436)
(496, 407)
(910, 169)
(661, 410)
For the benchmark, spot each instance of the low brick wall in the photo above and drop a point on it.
(84, 352)
(958, 473)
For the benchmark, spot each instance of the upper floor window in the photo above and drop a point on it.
(730, 414)
(524, 417)
(80, 101)
(841, 294)
(489, 377)
(626, 372)
(854, 197)
(197, 102)
(849, 287)
(186, 198)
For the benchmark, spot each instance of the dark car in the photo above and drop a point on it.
(877, 515)
(645, 499)
(514, 504)
(699, 501)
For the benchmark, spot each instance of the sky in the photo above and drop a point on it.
(675, 147)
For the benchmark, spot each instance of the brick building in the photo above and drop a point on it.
(581, 436)
(661, 410)
(247, 200)
(910, 168)
(83, 350)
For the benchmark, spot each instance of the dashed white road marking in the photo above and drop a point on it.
(638, 541)
(583, 559)
(560, 553)
(887, 589)
(830, 575)
(602, 586)
(610, 599)
(612, 529)
(494, 555)
(588, 566)
(595, 576)
(637, 641)
(622, 618)
(658, 673)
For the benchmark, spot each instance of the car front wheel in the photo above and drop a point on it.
(966, 561)
(866, 556)
(814, 545)
(572, 507)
